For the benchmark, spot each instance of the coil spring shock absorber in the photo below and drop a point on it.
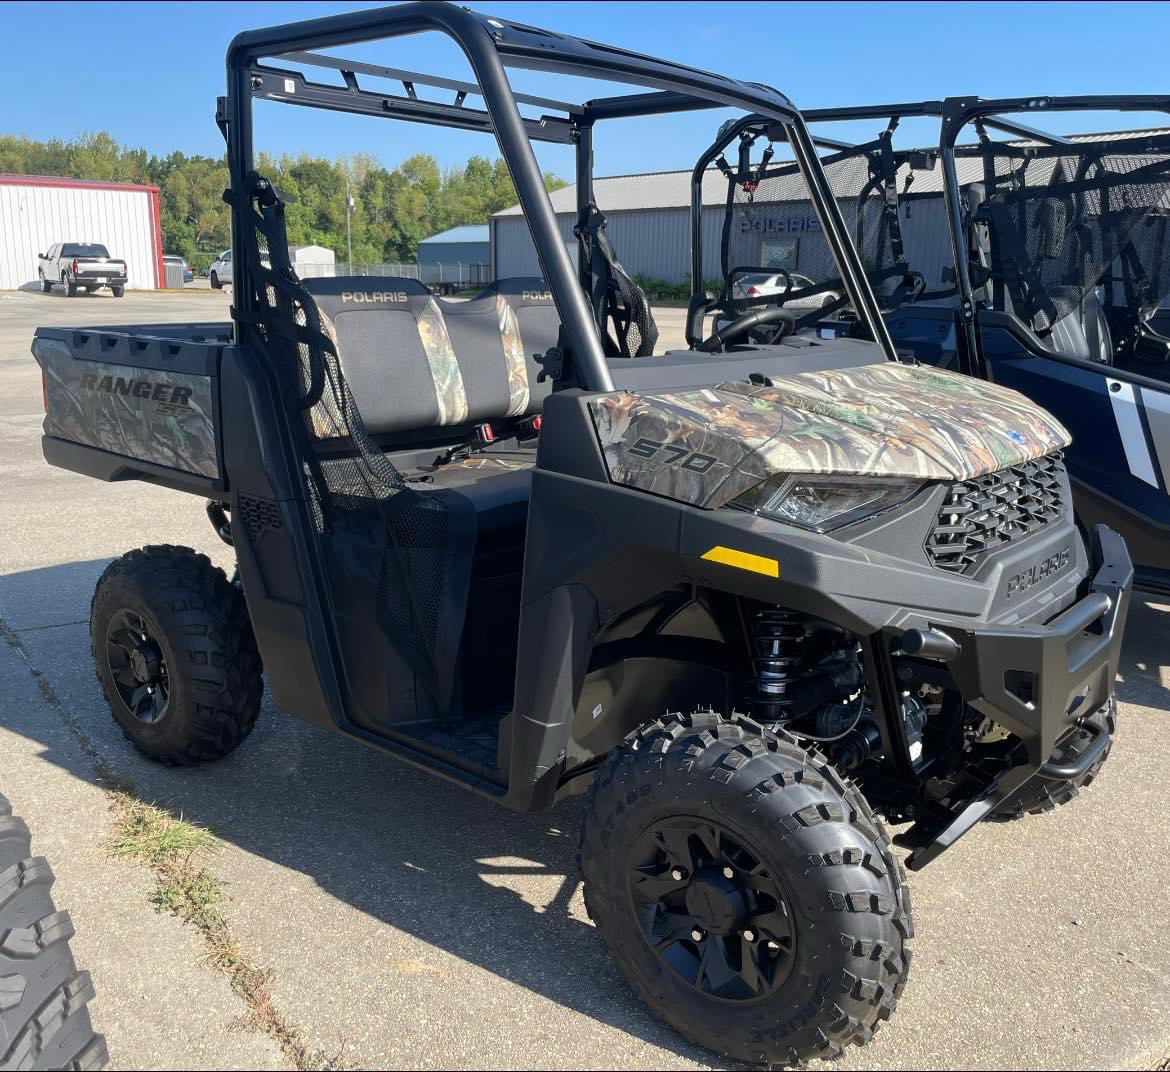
(778, 638)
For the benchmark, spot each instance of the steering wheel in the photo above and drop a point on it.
(784, 318)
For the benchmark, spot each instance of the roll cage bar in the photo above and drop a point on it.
(953, 113)
(491, 44)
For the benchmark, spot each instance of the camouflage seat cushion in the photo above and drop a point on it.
(414, 362)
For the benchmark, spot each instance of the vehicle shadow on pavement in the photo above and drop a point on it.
(493, 888)
(1144, 675)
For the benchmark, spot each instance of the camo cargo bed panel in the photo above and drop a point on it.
(150, 400)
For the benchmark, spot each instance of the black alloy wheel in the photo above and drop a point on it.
(711, 909)
(137, 666)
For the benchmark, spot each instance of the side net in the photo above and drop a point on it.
(375, 531)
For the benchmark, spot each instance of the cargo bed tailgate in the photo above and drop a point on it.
(121, 405)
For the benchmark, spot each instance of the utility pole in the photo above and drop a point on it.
(348, 236)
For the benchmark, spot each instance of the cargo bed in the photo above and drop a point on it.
(136, 402)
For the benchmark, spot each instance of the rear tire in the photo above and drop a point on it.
(70, 284)
(215, 283)
(1040, 795)
(118, 291)
(44, 1020)
(692, 927)
(175, 655)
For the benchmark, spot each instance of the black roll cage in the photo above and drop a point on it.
(953, 113)
(491, 44)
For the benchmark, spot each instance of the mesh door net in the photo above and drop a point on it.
(773, 242)
(374, 529)
(1062, 219)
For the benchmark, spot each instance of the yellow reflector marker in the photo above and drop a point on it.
(729, 556)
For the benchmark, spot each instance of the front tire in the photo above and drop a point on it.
(46, 286)
(175, 655)
(44, 1019)
(1040, 795)
(746, 892)
(215, 283)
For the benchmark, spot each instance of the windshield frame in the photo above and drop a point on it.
(491, 44)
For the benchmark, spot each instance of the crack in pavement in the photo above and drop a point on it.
(253, 991)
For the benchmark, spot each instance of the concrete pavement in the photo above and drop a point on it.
(409, 924)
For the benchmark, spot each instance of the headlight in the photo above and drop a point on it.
(822, 503)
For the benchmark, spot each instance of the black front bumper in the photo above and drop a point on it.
(1038, 681)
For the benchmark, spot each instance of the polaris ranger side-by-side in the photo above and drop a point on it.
(501, 539)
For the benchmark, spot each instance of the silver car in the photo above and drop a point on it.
(760, 288)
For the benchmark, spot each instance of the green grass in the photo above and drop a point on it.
(176, 849)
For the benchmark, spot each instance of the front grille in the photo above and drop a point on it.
(980, 515)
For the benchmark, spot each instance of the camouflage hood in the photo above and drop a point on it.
(708, 445)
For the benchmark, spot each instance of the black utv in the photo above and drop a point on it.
(754, 597)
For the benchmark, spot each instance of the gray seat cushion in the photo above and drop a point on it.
(415, 362)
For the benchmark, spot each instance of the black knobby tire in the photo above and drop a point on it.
(207, 668)
(44, 1020)
(215, 283)
(118, 291)
(808, 828)
(1040, 795)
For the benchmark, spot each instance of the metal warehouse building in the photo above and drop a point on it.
(649, 225)
(37, 211)
(649, 222)
(459, 255)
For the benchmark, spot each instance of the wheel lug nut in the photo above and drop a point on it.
(678, 874)
(773, 947)
(728, 873)
(698, 934)
(749, 935)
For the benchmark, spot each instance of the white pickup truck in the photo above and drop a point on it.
(81, 264)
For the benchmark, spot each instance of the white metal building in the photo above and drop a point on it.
(37, 211)
(309, 261)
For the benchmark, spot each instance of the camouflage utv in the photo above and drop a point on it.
(505, 542)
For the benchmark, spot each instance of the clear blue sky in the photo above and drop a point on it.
(163, 64)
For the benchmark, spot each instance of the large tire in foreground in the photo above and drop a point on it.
(175, 654)
(44, 1021)
(1039, 795)
(745, 890)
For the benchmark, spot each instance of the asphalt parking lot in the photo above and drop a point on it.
(408, 924)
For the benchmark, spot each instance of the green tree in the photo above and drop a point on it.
(394, 209)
